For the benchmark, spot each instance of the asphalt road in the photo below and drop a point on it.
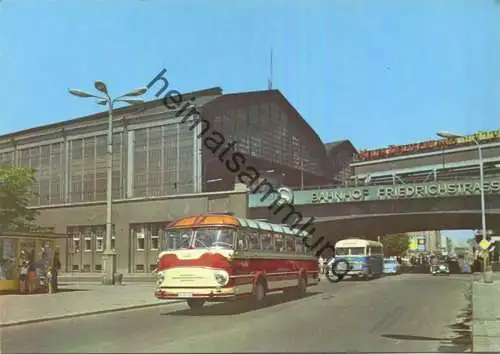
(405, 313)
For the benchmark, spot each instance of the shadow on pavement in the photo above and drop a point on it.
(41, 292)
(359, 279)
(411, 337)
(237, 307)
(68, 290)
(462, 330)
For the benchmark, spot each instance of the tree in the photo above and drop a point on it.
(16, 185)
(395, 245)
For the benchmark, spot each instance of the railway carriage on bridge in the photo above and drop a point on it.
(220, 257)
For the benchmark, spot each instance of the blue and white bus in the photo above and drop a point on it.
(365, 258)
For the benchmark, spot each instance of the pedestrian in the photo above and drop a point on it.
(23, 277)
(321, 263)
(50, 280)
(56, 266)
(32, 277)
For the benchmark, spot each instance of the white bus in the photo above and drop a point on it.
(365, 258)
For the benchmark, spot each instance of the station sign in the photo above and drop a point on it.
(408, 191)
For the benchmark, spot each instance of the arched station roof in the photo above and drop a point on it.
(240, 100)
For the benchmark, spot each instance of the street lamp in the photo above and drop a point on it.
(109, 254)
(488, 273)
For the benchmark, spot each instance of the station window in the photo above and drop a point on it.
(155, 238)
(253, 240)
(87, 235)
(99, 239)
(76, 244)
(139, 238)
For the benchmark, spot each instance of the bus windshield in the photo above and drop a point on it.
(200, 238)
(342, 251)
(177, 239)
(357, 251)
(205, 238)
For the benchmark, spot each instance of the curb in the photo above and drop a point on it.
(83, 314)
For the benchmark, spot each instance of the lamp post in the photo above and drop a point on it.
(109, 254)
(487, 271)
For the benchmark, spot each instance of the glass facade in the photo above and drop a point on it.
(7, 158)
(163, 160)
(87, 168)
(265, 131)
(342, 165)
(157, 158)
(48, 161)
(162, 163)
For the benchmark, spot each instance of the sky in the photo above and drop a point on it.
(374, 72)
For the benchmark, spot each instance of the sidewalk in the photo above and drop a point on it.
(78, 277)
(75, 300)
(486, 316)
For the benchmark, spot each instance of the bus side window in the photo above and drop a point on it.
(242, 242)
(289, 244)
(299, 246)
(278, 242)
(267, 241)
(253, 240)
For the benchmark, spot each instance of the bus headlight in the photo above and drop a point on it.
(221, 277)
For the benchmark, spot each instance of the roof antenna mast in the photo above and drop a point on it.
(270, 79)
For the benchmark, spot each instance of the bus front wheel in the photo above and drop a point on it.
(195, 304)
(259, 292)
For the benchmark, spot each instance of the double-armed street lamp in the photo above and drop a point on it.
(487, 271)
(109, 254)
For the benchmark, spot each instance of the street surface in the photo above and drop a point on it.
(405, 313)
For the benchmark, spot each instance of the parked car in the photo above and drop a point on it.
(391, 266)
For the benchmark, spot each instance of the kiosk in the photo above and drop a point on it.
(39, 248)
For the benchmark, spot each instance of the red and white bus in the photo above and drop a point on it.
(220, 257)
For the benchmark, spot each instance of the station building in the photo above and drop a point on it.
(166, 164)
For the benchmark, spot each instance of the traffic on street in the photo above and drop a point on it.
(404, 313)
(322, 178)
